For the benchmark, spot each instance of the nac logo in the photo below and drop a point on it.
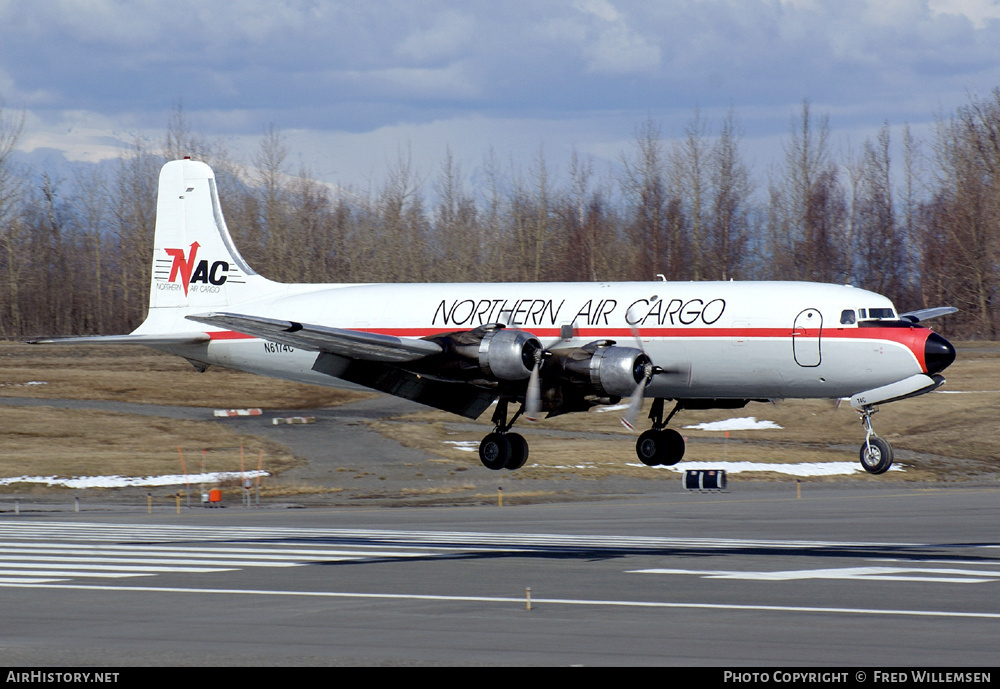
(189, 271)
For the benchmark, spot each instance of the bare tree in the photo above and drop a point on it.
(799, 236)
(966, 212)
(689, 163)
(727, 229)
(656, 217)
(12, 264)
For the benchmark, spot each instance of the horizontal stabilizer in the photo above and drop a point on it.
(353, 344)
(909, 387)
(927, 314)
(151, 340)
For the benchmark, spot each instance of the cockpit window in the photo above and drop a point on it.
(873, 315)
(847, 317)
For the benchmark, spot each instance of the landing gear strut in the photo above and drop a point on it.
(876, 453)
(502, 449)
(660, 445)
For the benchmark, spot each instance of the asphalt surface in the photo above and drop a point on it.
(838, 577)
(620, 572)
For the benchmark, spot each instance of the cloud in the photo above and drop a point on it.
(565, 66)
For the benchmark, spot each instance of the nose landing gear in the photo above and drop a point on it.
(876, 453)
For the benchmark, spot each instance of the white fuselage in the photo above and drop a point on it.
(734, 339)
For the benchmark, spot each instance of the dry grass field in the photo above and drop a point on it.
(142, 375)
(45, 441)
(954, 433)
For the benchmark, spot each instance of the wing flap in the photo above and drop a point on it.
(466, 400)
(354, 344)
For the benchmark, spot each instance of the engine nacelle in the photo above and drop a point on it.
(606, 369)
(489, 351)
(508, 354)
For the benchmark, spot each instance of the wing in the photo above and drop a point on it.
(370, 359)
(353, 344)
(927, 314)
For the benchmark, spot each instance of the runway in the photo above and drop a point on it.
(840, 577)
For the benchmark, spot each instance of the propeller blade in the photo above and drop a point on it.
(634, 405)
(533, 397)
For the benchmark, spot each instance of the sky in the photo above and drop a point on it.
(352, 86)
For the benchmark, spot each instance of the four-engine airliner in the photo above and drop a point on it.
(530, 348)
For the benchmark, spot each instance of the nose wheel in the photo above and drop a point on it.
(876, 453)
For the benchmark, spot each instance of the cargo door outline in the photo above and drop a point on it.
(807, 336)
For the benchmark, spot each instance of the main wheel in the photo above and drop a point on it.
(673, 447)
(494, 451)
(518, 451)
(660, 447)
(650, 448)
(876, 456)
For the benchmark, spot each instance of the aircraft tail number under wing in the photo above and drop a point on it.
(353, 344)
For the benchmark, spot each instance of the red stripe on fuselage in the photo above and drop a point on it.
(913, 338)
(230, 335)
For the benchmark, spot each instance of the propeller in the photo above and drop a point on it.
(533, 396)
(648, 371)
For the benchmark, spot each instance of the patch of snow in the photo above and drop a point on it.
(613, 407)
(799, 469)
(124, 481)
(747, 423)
(464, 445)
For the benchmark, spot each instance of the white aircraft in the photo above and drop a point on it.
(548, 347)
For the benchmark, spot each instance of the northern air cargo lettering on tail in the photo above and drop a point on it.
(543, 348)
(187, 274)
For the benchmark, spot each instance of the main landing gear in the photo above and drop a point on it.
(876, 453)
(660, 445)
(502, 449)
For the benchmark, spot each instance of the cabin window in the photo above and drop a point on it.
(847, 317)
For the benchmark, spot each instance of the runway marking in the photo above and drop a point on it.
(40, 550)
(955, 576)
(139, 534)
(518, 601)
(49, 550)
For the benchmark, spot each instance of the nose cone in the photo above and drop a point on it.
(938, 353)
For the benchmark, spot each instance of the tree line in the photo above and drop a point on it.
(924, 230)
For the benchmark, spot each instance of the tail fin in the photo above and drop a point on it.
(196, 267)
(195, 263)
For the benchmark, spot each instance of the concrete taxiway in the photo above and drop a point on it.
(893, 576)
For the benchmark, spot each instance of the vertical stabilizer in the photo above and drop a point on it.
(195, 263)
